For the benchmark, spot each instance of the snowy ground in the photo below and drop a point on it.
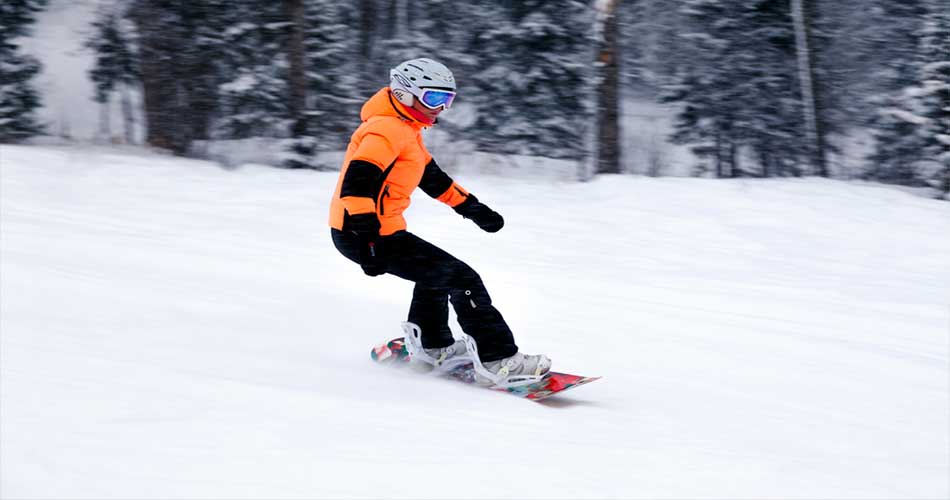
(171, 329)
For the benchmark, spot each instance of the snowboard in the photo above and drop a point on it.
(395, 352)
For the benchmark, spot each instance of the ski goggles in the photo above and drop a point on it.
(434, 98)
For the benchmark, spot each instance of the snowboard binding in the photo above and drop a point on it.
(501, 380)
(419, 356)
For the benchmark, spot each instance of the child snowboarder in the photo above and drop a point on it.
(385, 162)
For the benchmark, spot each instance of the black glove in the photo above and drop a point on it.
(486, 218)
(372, 257)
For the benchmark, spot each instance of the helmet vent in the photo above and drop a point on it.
(416, 74)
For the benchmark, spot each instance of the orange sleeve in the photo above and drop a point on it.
(454, 195)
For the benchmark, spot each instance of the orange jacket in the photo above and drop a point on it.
(385, 162)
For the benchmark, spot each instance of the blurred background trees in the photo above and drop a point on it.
(757, 87)
(18, 98)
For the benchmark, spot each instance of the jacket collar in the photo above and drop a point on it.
(384, 104)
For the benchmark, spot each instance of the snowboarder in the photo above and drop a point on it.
(385, 162)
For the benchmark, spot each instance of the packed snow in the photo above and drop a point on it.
(172, 329)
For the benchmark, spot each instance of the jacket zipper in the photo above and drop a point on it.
(382, 205)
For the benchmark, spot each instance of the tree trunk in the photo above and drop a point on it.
(608, 96)
(301, 147)
(159, 88)
(105, 121)
(159, 98)
(128, 120)
(720, 171)
(806, 77)
(734, 170)
(200, 101)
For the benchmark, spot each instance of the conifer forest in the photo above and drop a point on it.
(760, 88)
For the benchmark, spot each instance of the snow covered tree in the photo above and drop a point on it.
(535, 83)
(18, 99)
(333, 88)
(180, 47)
(253, 86)
(115, 66)
(738, 87)
(651, 46)
(872, 53)
(216, 69)
(913, 133)
(706, 84)
(933, 95)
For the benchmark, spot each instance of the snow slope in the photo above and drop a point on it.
(171, 329)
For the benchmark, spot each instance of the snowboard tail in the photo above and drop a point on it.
(395, 352)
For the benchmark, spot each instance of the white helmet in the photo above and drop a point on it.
(427, 80)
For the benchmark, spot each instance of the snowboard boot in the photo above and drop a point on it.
(437, 360)
(519, 369)
(513, 371)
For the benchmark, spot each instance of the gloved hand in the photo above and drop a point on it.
(486, 218)
(372, 256)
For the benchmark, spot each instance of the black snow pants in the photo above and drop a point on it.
(440, 278)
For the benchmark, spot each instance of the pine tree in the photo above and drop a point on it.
(880, 50)
(253, 87)
(534, 89)
(933, 96)
(913, 128)
(738, 87)
(182, 46)
(333, 88)
(705, 84)
(115, 67)
(18, 99)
